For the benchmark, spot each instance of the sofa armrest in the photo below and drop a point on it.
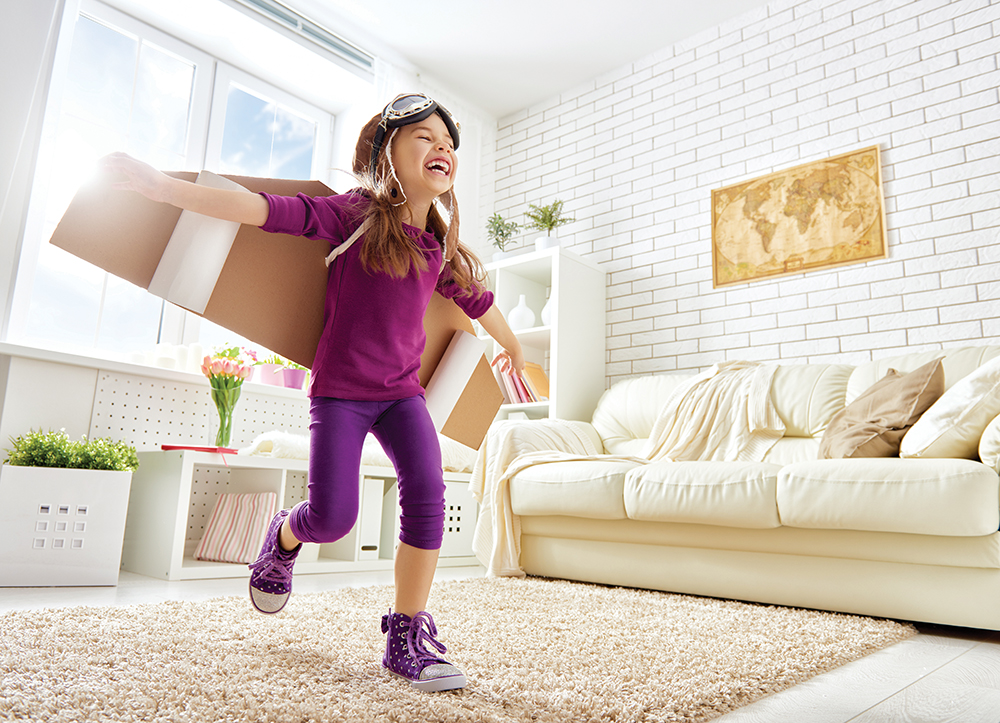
(521, 430)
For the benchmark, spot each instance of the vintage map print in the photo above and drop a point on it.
(821, 214)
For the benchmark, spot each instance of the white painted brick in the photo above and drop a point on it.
(955, 40)
(950, 334)
(809, 347)
(777, 336)
(881, 340)
(750, 323)
(666, 363)
(837, 329)
(708, 344)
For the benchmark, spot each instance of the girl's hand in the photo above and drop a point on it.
(140, 177)
(509, 361)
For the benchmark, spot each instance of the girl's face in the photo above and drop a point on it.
(424, 158)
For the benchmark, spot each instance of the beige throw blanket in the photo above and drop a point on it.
(722, 414)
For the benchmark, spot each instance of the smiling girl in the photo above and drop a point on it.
(364, 377)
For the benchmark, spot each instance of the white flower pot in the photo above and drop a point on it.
(61, 527)
(546, 242)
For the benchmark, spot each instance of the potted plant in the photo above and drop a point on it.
(63, 506)
(499, 231)
(294, 375)
(548, 219)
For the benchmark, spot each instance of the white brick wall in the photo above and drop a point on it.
(636, 153)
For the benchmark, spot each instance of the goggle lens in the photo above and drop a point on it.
(406, 105)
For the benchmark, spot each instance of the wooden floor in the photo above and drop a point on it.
(943, 674)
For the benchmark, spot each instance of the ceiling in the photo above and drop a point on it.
(505, 55)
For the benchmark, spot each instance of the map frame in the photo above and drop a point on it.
(867, 245)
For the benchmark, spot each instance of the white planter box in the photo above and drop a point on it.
(61, 527)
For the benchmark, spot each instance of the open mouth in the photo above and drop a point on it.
(439, 166)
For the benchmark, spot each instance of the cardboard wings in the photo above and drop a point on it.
(269, 288)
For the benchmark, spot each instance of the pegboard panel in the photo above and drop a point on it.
(148, 412)
(207, 484)
(296, 488)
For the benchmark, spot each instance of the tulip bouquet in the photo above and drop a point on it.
(226, 372)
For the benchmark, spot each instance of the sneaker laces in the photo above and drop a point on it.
(272, 568)
(421, 631)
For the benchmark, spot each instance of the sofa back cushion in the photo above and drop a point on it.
(806, 396)
(957, 363)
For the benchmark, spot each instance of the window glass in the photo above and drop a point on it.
(120, 93)
(265, 138)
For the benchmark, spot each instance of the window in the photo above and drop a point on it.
(127, 86)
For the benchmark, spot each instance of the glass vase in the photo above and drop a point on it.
(225, 397)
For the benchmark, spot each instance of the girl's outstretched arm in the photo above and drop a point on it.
(512, 357)
(248, 208)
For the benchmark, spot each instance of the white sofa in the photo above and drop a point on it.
(907, 538)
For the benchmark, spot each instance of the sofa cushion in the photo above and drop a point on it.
(591, 488)
(954, 424)
(874, 423)
(730, 494)
(806, 396)
(950, 497)
(792, 449)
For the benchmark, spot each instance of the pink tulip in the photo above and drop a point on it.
(207, 360)
(244, 372)
(229, 367)
(206, 371)
(217, 367)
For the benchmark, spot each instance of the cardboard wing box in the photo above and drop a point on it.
(269, 288)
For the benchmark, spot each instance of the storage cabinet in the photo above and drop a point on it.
(174, 493)
(571, 347)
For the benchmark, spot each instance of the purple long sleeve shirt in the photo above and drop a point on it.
(373, 332)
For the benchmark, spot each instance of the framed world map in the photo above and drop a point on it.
(814, 216)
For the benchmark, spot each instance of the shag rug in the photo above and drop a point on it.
(532, 649)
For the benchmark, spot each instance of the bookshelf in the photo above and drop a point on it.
(571, 348)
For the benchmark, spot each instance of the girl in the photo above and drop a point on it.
(364, 377)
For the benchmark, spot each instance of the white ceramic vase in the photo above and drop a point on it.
(547, 313)
(521, 317)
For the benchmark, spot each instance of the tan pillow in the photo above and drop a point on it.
(874, 423)
(953, 426)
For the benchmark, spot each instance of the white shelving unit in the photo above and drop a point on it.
(571, 349)
(174, 492)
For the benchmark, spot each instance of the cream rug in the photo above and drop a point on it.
(533, 650)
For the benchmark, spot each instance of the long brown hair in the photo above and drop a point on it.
(387, 248)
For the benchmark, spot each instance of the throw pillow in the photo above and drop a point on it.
(874, 423)
(235, 531)
(953, 426)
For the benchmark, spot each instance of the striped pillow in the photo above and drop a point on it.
(236, 530)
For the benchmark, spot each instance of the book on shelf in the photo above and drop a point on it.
(517, 388)
(534, 374)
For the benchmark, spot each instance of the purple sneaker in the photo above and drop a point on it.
(406, 656)
(271, 576)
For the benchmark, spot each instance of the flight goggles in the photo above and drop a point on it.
(406, 109)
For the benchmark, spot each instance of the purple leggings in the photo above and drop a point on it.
(404, 429)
